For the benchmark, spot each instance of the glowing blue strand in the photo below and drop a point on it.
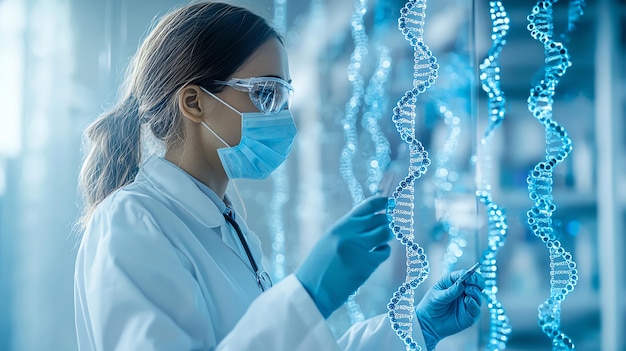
(280, 180)
(563, 272)
(376, 99)
(279, 198)
(575, 11)
(375, 103)
(352, 106)
(444, 185)
(499, 325)
(452, 101)
(401, 204)
(349, 150)
(490, 68)
(280, 16)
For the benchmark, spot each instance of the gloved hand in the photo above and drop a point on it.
(347, 255)
(449, 307)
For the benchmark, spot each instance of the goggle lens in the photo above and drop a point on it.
(271, 96)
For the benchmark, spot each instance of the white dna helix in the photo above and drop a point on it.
(499, 325)
(563, 272)
(349, 151)
(401, 204)
(372, 100)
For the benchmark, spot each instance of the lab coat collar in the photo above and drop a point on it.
(179, 187)
(224, 206)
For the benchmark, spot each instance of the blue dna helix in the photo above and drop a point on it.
(376, 99)
(452, 100)
(346, 167)
(499, 325)
(563, 272)
(401, 203)
(280, 181)
(444, 184)
(373, 101)
(353, 105)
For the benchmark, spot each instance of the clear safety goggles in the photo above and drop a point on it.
(270, 95)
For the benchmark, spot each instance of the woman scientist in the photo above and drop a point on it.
(165, 263)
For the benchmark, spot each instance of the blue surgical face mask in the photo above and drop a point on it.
(265, 143)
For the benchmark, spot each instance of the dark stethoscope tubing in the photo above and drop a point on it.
(260, 276)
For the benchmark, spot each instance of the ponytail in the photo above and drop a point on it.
(203, 41)
(113, 154)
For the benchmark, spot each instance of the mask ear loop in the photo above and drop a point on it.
(222, 101)
(215, 134)
(240, 203)
(243, 211)
(227, 105)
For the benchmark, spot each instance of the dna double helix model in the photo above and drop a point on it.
(452, 100)
(372, 99)
(280, 181)
(346, 167)
(563, 272)
(401, 203)
(375, 101)
(499, 325)
(353, 105)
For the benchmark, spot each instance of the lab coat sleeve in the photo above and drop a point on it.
(376, 334)
(284, 318)
(131, 290)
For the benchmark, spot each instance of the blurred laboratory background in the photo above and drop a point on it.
(61, 62)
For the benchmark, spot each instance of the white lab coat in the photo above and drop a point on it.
(159, 268)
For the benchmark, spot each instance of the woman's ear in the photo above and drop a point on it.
(191, 104)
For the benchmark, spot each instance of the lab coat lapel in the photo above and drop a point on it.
(178, 187)
(172, 182)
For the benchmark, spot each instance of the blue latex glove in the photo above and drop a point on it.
(347, 255)
(449, 307)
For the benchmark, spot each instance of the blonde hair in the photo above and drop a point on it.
(196, 44)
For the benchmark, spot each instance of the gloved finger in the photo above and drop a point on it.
(375, 237)
(473, 293)
(472, 309)
(477, 280)
(452, 293)
(449, 279)
(369, 206)
(365, 223)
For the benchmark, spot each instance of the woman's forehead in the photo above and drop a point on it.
(270, 59)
